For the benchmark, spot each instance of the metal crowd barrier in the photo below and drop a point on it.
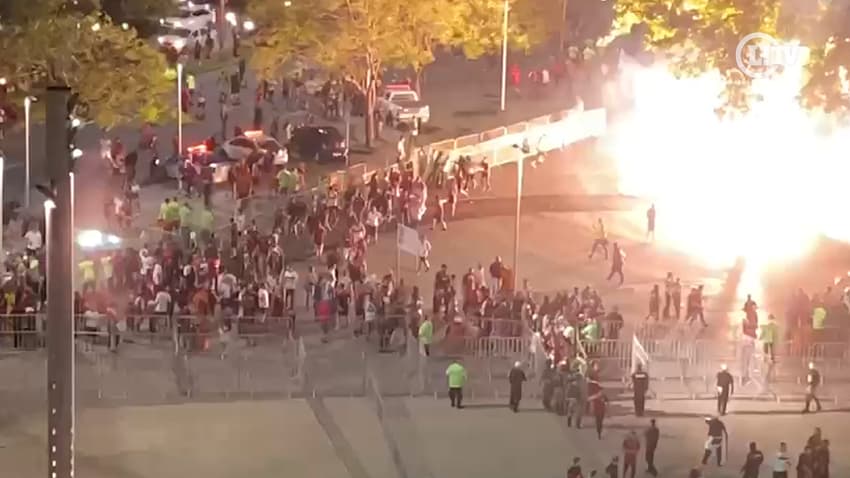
(497, 347)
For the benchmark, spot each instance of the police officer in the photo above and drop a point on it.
(725, 388)
(812, 383)
(640, 385)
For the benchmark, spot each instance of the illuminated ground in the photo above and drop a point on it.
(267, 439)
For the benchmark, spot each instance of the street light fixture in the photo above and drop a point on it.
(287, 3)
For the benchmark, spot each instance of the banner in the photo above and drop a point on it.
(408, 240)
(639, 355)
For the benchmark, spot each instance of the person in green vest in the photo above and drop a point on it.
(768, 334)
(818, 320)
(285, 181)
(185, 222)
(590, 334)
(457, 379)
(206, 221)
(426, 335)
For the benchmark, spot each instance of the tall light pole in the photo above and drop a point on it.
(504, 56)
(60, 127)
(2, 251)
(563, 35)
(519, 172)
(27, 155)
(179, 109)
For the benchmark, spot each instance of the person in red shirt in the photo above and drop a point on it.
(631, 447)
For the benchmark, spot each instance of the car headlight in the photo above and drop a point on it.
(161, 40)
(162, 21)
(178, 23)
(179, 44)
(248, 26)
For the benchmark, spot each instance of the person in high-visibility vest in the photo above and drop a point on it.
(600, 239)
(768, 334)
(426, 335)
(818, 319)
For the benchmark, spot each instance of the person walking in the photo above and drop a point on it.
(813, 380)
(650, 223)
(600, 239)
(753, 462)
(640, 385)
(424, 253)
(457, 379)
(725, 388)
(426, 336)
(651, 435)
(516, 377)
(618, 258)
(597, 405)
(768, 334)
(631, 447)
(717, 436)
(782, 462)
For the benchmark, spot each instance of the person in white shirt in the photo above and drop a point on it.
(227, 283)
(147, 261)
(290, 281)
(373, 221)
(156, 276)
(424, 253)
(263, 301)
(34, 241)
(782, 463)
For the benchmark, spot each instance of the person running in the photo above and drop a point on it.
(717, 435)
(439, 213)
(600, 239)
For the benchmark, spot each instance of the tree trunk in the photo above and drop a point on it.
(369, 120)
(418, 79)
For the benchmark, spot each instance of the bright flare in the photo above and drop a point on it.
(763, 186)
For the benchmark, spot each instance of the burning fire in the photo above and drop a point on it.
(762, 186)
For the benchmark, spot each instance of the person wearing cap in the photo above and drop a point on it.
(725, 388)
(516, 377)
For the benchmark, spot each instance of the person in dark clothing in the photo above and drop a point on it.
(597, 405)
(640, 384)
(725, 388)
(651, 436)
(613, 468)
(812, 383)
(821, 460)
(650, 223)
(516, 377)
(617, 259)
(717, 434)
(574, 471)
(575, 404)
(753, 462)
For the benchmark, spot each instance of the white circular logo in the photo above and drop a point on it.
(759, 55)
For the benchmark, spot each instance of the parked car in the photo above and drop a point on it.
(256, 143)
(191, 19)
(178, 39)
(401, 104)
(318, 143)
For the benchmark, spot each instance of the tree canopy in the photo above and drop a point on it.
(117, 76)
(360, 38)
(702, 35)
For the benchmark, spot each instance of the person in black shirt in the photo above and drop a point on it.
(612, 470)
(575, 470)
(812, 384)
(640, 384)
(617, 259)
(716, 436)
(753, 462)
(651, 435)
(516, 377)
(725, 388)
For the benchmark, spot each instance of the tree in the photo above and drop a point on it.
(119, 78)
(703, 35)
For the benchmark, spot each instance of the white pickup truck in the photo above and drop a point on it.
(401, 104)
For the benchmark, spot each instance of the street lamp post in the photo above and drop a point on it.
(2, 251)
(27, 107)
(179, 109)
(504, 55)
(519, 172)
